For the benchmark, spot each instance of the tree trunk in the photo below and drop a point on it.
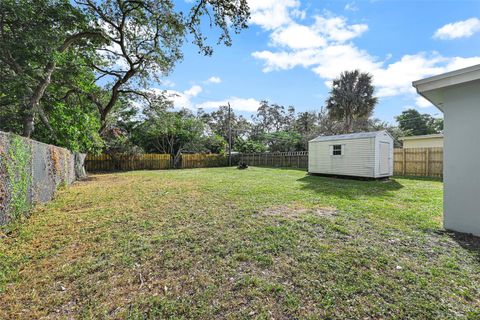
(348, 125)
(33, 105)
(28, 123)
(176, 160)
(33, 102)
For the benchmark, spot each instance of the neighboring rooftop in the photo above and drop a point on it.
(348, 136)
(426, 136)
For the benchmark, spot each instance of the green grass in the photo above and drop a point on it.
(226, 243)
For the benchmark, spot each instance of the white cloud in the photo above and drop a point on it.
(238, 104)
(326, 48)
(183, 99)
(326, 62)
(460, 62)
(271, 14)
(214, 79)
(396, 78)
(297, 36)
(422, 102)
(331, 61)
(336, 28)
(351, 6)
(459, 29)
(325, 30)
(193, 91)
(186, 99)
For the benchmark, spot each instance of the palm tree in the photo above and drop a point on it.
(351, 98)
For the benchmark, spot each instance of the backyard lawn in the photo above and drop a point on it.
(227, 243)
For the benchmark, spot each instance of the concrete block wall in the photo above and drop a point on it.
(30, 172)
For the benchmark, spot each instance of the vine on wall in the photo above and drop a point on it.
(3, 179)
(17, 164)
(22, 183)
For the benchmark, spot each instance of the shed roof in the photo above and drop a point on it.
(358, 135)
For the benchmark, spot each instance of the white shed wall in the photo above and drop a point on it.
(461, 158)
(358, 158)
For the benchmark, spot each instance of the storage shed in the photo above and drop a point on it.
(363, 154)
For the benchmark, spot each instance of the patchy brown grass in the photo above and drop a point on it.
(224, 243)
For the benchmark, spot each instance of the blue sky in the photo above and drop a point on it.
(293, 49)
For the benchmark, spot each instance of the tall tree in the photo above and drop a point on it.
(128, 43)
(171, 132)
(35, 37)
(306, 124)
(144, 40)
(218, 122)
(413, 123)
(271, 117)
(351, 98)
(283, 141)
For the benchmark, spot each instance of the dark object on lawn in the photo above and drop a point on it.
(242, 165)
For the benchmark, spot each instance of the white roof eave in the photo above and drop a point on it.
(431, 88)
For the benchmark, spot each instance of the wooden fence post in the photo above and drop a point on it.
(404, 162)
(427, 162)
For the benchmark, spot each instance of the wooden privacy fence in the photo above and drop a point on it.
(105, 162)
(427, 162)
(297, 159)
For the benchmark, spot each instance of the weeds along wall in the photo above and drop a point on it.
(30, 172)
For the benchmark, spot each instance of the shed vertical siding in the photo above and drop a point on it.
(358, 158)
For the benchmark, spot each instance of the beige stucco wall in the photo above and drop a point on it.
(424, 143)
(461, 158)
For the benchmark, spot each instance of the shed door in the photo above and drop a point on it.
(384, 158)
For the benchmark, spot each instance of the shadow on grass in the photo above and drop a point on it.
(279, 168)
(466, 241)
(349, 188)
(420, 178)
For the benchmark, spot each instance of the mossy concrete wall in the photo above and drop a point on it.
(30, 172)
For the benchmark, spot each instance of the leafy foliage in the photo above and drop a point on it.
(17, 163)
(351, 98)
(283, 141)
(249, 146)
(144, 40)
(171, 132)
(121, 47)
(218, 121)
(413, 123)
(36, 37)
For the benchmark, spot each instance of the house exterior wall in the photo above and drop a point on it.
(436, 142)
(358, 158)
(461, 158)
